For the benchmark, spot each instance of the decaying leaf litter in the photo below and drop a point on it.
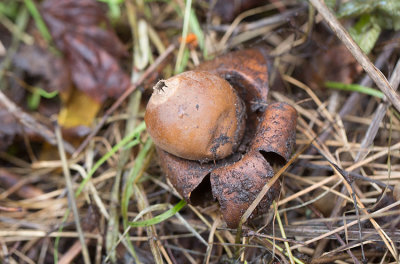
(89, 66)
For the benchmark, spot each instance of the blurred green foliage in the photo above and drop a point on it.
(114, 8)
(373, 17)
(9, 8)
(386, 13)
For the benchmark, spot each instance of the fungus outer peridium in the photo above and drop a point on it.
(236, 176)
(196, 115)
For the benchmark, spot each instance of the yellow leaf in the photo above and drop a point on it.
(79, 110)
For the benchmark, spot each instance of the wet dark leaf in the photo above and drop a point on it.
(228, 9)
(333, 64)
(41, 64)
(383, 201)
(9, 127)
(91, 49)
(26, 190)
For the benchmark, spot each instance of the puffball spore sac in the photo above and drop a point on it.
(196, 115)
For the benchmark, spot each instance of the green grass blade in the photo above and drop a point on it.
(34, 99)
(159, 218)
(354, 88)
(58, 238)
(45, 94)
(196, 28)
(128, 188)
(38, 20)
(185, 30)
(125, 141)
(135, 133)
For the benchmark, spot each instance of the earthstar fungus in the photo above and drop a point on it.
(222, 145)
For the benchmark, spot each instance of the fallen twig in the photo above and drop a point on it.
(375, 74)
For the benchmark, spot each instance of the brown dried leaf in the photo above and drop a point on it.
(91, 51)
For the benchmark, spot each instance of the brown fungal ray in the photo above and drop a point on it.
(186, 176)
(276, 134)
(243, 69)
(237, 185)
(247, 71)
